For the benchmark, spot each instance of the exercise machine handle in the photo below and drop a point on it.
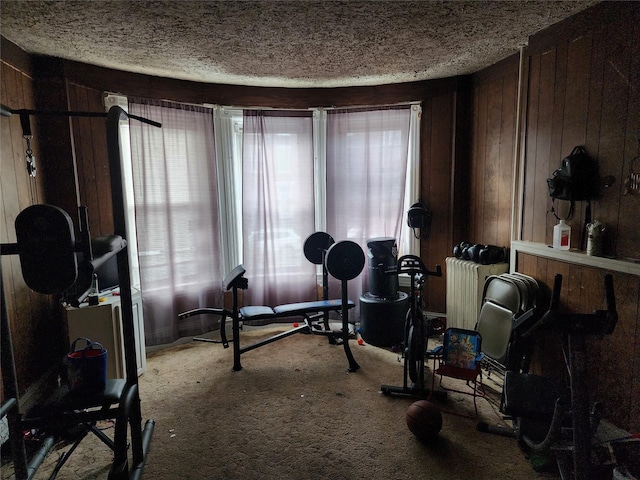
(611, 316)
(553, 433)
(555, 295)
(600, 322)
(549, 317)
(413, 265)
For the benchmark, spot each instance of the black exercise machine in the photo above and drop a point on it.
(343, 260)
(48, 251)
(416, 329)
(568, 424)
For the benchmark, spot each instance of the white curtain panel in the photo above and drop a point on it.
(409, 243)
(228, 149)
(177, 217)
(366, 177)
(278, 208)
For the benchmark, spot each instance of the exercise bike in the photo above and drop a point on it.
(570, 423)
(417, 327)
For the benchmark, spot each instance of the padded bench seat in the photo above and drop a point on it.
(291, 309)
(62, 400)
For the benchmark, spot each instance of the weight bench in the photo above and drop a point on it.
(344, 260)
(308, 310)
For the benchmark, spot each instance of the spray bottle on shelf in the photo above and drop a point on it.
(562, 236)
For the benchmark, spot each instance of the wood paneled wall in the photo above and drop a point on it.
(437, 176)
(583, 77)
(491, 171)
(37, 325)
(35, 320)
(613, 361)
(581, 80)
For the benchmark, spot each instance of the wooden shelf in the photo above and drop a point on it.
(630, 266)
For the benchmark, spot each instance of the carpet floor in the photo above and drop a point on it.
(295, 412)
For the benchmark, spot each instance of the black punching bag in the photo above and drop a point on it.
(383, 258)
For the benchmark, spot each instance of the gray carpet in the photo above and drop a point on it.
(295, 412)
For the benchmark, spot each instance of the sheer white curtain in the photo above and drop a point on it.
(366, 177)
(277, 206)
(228, 132)
(409, 244)
(177, 217)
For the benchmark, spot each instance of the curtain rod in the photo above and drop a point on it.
(332, 107)
(233, 107)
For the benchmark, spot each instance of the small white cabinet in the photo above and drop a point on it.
(102, 323)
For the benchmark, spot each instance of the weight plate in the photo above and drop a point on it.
(345, 260)
(315, 245)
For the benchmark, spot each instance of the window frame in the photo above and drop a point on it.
(228, 131)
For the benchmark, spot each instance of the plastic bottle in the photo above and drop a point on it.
(562, 236)
(594, 238)
(94, 291)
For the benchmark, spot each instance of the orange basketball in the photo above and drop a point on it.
(424, 419)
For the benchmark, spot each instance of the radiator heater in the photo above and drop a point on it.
(465, 283)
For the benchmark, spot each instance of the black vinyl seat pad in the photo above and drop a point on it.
(262, 312)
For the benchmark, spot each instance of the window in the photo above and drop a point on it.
(175, 189)
(278, 206)
(366, 172)
(177, 217)
(393, 183)
(222, 186)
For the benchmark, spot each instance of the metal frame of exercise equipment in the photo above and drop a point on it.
(128, 397)
(577, 458)
(415, 333)
(343, 260)
(528, 396)
(315, 249)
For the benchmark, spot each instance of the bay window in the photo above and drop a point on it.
(218, 186)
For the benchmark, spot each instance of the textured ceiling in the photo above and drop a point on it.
(283, 43)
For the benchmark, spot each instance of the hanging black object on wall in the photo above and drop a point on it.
(419, 217)
(577, 177)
